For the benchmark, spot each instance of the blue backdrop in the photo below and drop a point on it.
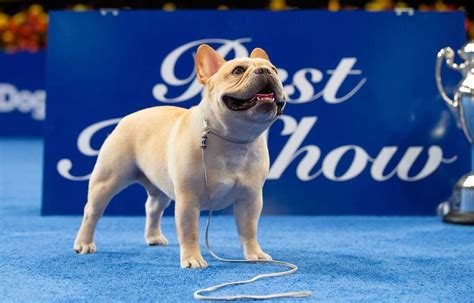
(22, 95)
(365, 131)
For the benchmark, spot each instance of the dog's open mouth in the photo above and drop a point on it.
(265, 94)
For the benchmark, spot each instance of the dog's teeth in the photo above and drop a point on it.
(265, 98)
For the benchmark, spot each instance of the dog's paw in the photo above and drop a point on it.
(84, 248)
(156, 240)
(193, 262)
(260, 255)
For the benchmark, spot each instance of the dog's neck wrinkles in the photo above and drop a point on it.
(208, 128)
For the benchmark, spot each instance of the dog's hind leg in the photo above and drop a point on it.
(113, 171)
(100, 193)
(155, 205)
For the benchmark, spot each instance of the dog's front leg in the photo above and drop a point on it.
(187, 211)
(247, 211)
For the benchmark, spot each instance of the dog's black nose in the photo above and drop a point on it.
(262, 70)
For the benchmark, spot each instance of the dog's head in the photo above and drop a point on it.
(243, 90)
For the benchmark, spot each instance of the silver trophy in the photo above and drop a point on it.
(460, 206)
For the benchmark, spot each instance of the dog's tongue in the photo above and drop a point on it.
(264, 97)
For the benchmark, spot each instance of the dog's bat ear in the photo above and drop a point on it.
(207, 62)
(259, 53)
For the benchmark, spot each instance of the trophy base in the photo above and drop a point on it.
(459, 218)
(460, 207)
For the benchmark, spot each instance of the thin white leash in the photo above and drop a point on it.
(198, 294)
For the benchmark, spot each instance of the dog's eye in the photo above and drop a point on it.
(238, 70)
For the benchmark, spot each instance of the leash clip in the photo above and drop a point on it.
(204, 141)
(205, 131)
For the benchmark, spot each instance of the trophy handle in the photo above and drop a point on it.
(448, 54)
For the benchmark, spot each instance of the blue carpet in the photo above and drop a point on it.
(357, 259)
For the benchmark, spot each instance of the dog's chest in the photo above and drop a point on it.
(231, 175)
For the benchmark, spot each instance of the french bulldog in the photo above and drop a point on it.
(160, 148)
